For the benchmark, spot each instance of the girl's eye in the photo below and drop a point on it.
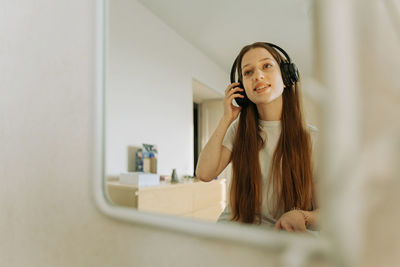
(267, 65)
(247, 73)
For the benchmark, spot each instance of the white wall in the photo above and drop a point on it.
(149, 88)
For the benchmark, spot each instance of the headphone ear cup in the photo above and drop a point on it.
(293, 73)
(285, 74)
(290, 73)
(243, 102)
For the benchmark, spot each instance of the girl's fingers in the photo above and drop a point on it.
(234, 96)
(289, 228)
(231, 86)
(297, 228)
(302, 229)
(278, 225)
(235, 91)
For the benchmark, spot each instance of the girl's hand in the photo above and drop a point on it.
(230, 111)
(291, 221)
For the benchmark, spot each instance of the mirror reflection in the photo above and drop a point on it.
(175, 143)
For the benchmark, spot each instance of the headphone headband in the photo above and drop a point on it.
(281, 50)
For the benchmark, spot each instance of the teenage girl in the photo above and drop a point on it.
(269, 145)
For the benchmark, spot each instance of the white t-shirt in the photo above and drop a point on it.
(271, 131)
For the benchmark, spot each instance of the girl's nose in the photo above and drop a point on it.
(259, 75)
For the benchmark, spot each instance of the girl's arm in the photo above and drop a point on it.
(215, 157)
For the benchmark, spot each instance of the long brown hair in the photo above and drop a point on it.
(291, 167)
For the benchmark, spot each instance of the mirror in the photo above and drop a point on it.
(168, 65)
(146, 50)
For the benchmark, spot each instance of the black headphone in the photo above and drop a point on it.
(290, 75)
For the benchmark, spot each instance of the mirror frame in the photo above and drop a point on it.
(294, 248)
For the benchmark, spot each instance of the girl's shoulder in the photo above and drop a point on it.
(312, 129)
(313, 132)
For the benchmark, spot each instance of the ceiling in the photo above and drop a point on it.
(220, 28)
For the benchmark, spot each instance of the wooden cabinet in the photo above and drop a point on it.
(200, 200)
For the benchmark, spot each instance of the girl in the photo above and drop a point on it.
(269, 145)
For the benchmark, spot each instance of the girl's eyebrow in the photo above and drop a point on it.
(258, 61)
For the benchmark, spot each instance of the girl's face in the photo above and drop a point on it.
(262, 79)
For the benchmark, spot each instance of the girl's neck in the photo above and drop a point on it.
(271, 111)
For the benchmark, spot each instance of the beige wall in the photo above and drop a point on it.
(47, 215)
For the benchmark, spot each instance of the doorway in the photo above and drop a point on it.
(207, 111)
(195, 136)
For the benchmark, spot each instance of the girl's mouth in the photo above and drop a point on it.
(262, 88)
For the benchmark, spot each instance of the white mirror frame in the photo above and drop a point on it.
(296, 249)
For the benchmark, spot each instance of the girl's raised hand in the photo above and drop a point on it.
(230, 111)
